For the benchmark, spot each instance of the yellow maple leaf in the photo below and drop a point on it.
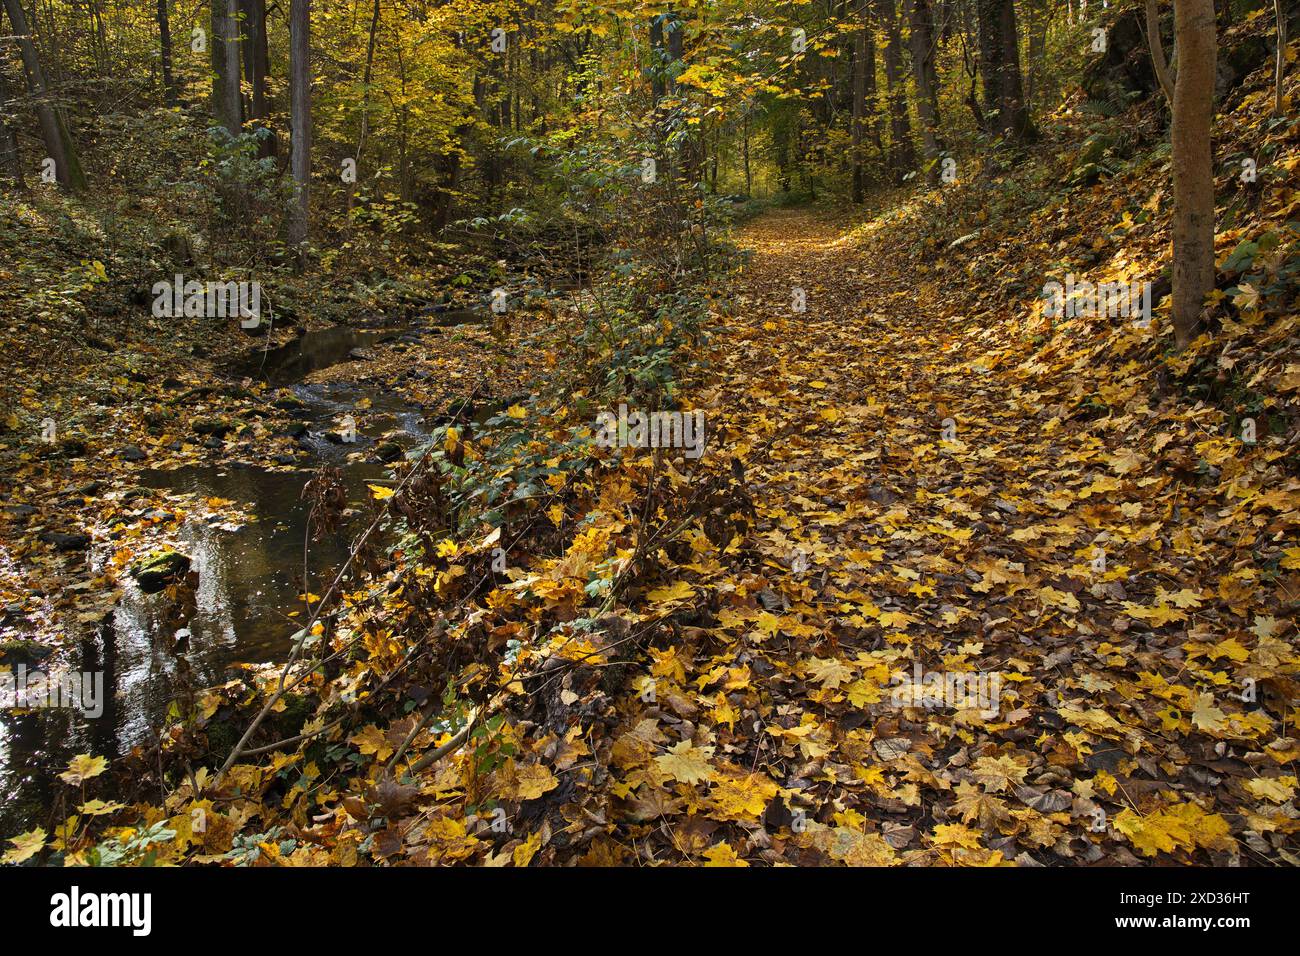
(1277, 789)
(1186, 598)
(855, 848)
(677, 591)
(524, 852)
(1061, 599)
(83, 767)
(829, 672)
(721, 854)
(996, 774)
(1184, 825)
(956, 834)
(380, 493)
(1205, 716)
(26, 846)
(686, 762)
(371, 740)
(531, 781)
(97, 808)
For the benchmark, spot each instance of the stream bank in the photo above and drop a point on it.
(251, 569)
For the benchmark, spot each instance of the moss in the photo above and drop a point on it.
(155, 571)
(298, 709)
(223, 734)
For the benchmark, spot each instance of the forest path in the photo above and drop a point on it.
(913, 654)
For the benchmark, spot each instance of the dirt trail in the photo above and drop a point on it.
(924, 512)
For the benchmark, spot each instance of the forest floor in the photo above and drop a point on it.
(1132, 698)
(956, 584)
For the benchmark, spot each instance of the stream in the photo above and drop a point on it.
(250, 576)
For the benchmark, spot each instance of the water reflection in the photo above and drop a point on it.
(249, 579)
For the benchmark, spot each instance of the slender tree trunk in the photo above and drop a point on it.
(232, 101)
(223, 47)
(876, 124)
(1193, 228)
(217, 58)
(690, 150)
(990, 60)
(11, 164)
(859, 95)
(1004, 94)
(902, 152)
(657, 57)
(170, 95)
(921, 36)
(1036, 65)
(749, 181)
(58, 144)
(300, 119)
(1156, 45)
(1279, 63)
(256, 67)
(1016, 125)
(365, 99)
(860, 41)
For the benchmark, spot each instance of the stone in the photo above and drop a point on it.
(158, 569)
(66, 542)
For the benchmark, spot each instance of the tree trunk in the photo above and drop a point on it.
(58, 144)
(860, 41)
(690, 150)
(1156, 45)
(657, 60)
(1036, 63)
(990, 60)
(232, 101)
(749, 181)
(300, 119)
(1016, 125)
(256, 68)
(217, 59)
(1193, 229)
(927, 83)
(223, 49)
(10, 158)
(876, 125)
(170, 95)
(1279, 62)
(365, 100)
(902, 152)
(1004, 93)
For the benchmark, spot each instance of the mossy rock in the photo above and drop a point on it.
(298, 709)
(216, 427)
(295, 429)
(222, 736)
(1088, 174)
(158, 569)
(1094, 149)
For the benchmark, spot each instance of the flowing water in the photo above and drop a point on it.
(250, 577)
